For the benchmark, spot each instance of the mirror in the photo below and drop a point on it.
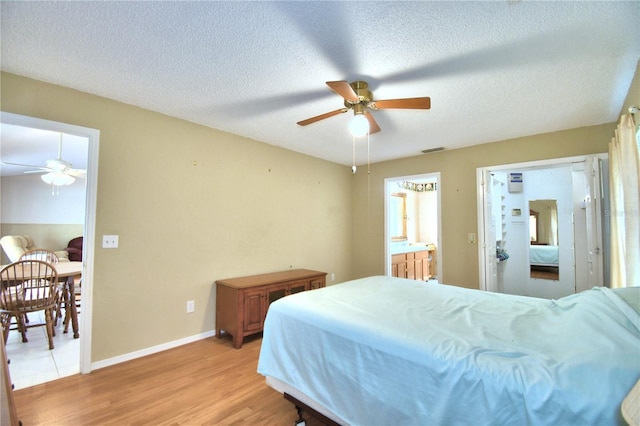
(543, 239)
(398, 216)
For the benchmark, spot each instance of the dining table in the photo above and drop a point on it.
(70, 271)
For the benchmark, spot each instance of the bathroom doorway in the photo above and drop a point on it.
(412, 223)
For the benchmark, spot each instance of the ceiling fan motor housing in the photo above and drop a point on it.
(58, 165)
(364, 94)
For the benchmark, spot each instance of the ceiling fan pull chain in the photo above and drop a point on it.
(60, 148)
(368, 155)
(368, 178)
(353, 168)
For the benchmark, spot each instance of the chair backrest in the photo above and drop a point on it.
(40, 254)
(27, 285)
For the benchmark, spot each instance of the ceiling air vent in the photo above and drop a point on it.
(427, 151)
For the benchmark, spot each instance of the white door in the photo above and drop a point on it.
(594, 208)
(489, 236)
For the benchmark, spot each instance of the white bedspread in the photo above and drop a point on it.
(543, 255)
(383, 351)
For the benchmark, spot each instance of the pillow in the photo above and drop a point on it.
(631, 295)
(63, 255)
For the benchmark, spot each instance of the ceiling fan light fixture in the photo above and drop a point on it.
(359, 126)
(57, 178)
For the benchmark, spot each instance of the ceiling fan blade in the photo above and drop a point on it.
(373, 125)
(38, 171)
(79, 173)
(407, 103)
(322, 116)
(344, 89)
(24, 165)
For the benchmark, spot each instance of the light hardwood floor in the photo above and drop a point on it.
(202, 383)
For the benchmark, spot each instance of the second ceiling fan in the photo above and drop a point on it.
(56, 171)
(358, 97)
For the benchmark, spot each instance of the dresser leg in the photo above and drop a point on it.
(237, 341)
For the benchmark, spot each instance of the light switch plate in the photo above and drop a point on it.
(109, 241)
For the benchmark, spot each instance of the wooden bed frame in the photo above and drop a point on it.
(301, 407)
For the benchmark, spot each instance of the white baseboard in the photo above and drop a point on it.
(152, 350)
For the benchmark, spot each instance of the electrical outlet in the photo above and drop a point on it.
(333, 276)
(109, 241)
(471, 237)
(191, 306)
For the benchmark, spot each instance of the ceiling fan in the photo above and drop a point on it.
(58, 171)
(359, 98)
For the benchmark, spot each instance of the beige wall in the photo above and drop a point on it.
(244, 208)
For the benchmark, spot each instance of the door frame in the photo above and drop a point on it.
(483, 218)
(387, 219)
(93, 136)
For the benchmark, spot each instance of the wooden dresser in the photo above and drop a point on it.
(242, 303)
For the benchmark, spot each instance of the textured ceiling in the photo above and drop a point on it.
(493, 70)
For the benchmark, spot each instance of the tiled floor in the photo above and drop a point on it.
(32, 363)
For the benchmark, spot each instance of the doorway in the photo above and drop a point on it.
(412, 220)
(93, 138)
(541, 228)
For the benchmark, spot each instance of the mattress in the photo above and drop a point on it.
(384, 350)
(543, 255)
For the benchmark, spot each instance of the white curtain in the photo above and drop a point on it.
(624, 181)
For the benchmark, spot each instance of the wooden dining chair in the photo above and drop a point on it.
(40, 254)
(49, 256)
(62, 296)
(28, 286)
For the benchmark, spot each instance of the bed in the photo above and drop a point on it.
(543, 255)
(384, 350)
